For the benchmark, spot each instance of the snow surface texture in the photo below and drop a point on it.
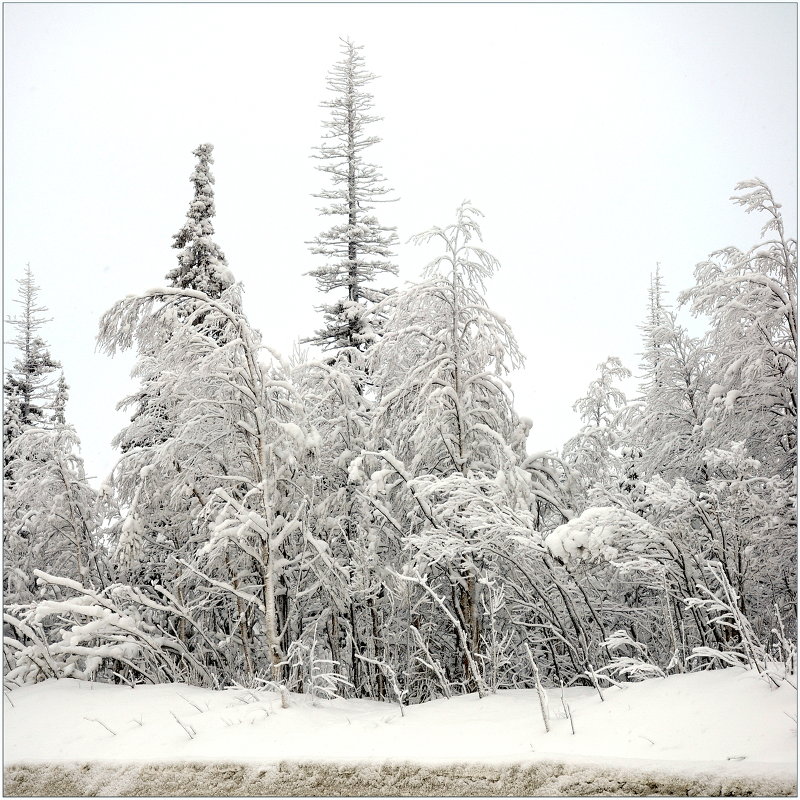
(304, 779)
(723, 732)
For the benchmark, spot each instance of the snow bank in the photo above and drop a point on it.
(706, 730)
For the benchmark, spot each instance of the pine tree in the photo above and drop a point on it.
(29, 377)
(358, 249)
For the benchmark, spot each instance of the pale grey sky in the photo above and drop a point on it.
(597, 139)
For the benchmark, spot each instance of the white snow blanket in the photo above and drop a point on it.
(710, 731)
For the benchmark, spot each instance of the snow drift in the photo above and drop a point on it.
(723, 732)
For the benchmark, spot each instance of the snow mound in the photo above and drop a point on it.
(707, 730)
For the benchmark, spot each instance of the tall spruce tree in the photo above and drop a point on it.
(201, 263)
(657, 310)
(357, 249)
(202, 267)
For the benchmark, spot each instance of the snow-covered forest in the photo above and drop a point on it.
(364, 519)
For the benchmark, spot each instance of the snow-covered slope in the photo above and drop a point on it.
(728, 723)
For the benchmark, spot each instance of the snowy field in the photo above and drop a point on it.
(723, 732)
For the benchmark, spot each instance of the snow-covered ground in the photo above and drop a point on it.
(727, 723)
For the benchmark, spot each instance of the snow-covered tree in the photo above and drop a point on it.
(445, 423)
(603, 397)
(201, 267)
(60, 401)
(50, 514)
(357, 249)
(446, 406)
(30, 377)
(338, 409)
(750, 298)
(357, 252)
(49, 509)
(709, 488)
(667, 426)
(201, 262)
(12, 425)
(238, 455)
(595, 453)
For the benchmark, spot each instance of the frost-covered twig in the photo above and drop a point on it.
(544, 703)
(193, 705)
(476, 676)
(567, 710)
(190, 731)
(100, 722)
(392, 676)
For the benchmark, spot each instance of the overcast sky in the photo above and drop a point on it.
(597, 140)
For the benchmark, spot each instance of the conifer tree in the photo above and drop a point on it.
(49, 519)
(202, 267)
(29, 378)
(201, 263)
(12, 424)
(665, 426)
(60, 401)
(657, 310)
(357, 249)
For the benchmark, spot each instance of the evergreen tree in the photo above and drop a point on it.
(201, 267)
(60, 401)
(49, 517)
(201, 262)
(594, 453)
(657, 310)
(12, 424)
(667, 425)
(30, 375)
(358, 248)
